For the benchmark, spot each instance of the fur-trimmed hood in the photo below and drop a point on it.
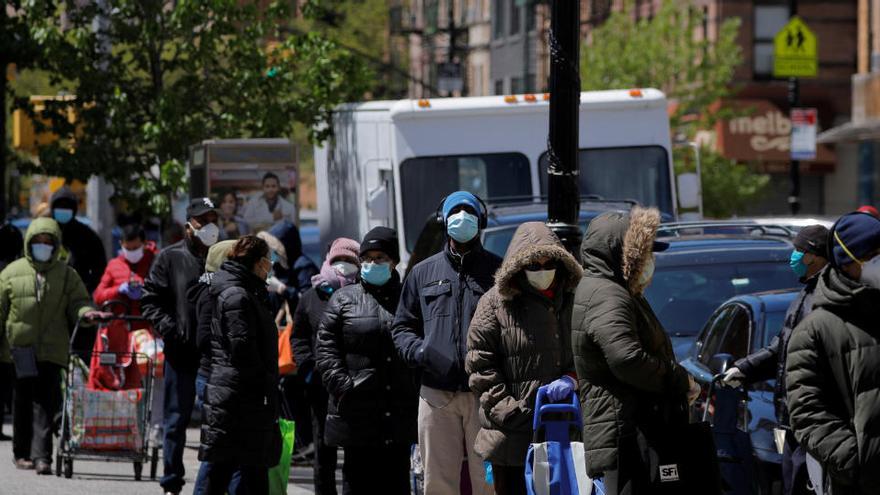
(532, 241)
(617, 245)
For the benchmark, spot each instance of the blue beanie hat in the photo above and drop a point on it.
(855, 235)
(459, 198)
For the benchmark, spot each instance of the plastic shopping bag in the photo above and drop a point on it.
(279, 474)
(554, 468)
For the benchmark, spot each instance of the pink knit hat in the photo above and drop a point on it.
(344, 249)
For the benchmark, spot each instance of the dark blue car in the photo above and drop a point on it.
(741, 326)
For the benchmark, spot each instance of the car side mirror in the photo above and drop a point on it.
(720, 363)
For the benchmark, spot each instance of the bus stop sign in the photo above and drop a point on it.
(795, 51)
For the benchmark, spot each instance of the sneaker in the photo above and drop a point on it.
(24, 464)
(4, 437)
(43, 467)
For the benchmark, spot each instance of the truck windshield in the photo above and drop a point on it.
(424, 181)
(640, 173)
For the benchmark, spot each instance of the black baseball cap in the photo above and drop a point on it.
(199, 206)
(812, 239)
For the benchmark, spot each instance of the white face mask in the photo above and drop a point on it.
(541, 279)
(208, 234)
(133, 256)
(647, 272)
(871, 273)
(345, 268)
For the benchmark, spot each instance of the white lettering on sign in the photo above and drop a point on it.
(669, 472)
(773, 122)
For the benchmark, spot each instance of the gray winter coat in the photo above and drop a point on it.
(629, 382)
(519, 339)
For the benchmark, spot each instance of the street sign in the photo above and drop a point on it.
(449, 78)
(795, 52)
(803, 133)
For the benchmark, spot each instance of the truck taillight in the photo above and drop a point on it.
(546, 96)
(531, 98)
(424, 104)
(510, 99)
(635, 93)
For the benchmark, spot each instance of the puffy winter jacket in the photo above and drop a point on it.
(373, 396)
(166, 305)
(199, 296)
(629, 382)
(120, 271)
(306, 320)
(519, 340)
(833, 382)
(438, 301)
(241, 397)
(769, 362)
(85, 250)
(40, 302)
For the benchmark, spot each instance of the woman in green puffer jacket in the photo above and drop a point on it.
(41, 298)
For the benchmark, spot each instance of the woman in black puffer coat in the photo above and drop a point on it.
(240, 430)
(373, 399)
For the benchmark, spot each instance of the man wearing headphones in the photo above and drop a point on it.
(438, 301)
(833, 366)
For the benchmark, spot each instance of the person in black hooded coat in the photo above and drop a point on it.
(240, 429)
(86, 251)
(300, 269)
(373, 399)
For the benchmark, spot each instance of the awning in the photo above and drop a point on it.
(850, 132)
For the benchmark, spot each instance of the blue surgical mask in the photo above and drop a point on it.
(796, 262)
(377, 274)
(462, 226)
(42, 252)
(62, 215)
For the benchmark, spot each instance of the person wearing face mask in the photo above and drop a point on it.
(164, 302)
(41, 299)
(85, 250)
(373, 397)
(807, 260)
(832, 372)
(430, 331)
(629, 384)
(298, 269)
(520, 340)
(340, 268)
(240, 432)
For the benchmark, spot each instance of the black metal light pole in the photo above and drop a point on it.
(794, 96)
(562, 144)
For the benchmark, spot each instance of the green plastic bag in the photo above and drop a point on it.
(279, 474)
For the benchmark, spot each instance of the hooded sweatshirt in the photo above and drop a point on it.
(86, 251)
(40, 302)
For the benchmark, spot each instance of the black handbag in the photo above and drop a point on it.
(684, 460)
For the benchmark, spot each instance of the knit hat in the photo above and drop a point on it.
(855, 237)
(382, 239)
(344, 249)
(812, 239)
(459, 198)
(217, 254)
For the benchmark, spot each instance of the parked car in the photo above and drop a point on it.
(707, 264)
(743, 325)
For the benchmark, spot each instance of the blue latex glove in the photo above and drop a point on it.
(560, 389)
(124, 288)
(135, 292)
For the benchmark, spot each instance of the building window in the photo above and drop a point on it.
(769, 19)
(516, 85)
(499, 86)
(431, 12)
(499, 8)
(515, 15)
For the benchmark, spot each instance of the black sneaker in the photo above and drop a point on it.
(43, 467)
(4, 437)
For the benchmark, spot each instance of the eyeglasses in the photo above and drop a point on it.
(547, 265)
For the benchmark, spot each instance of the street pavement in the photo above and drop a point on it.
(110, 478)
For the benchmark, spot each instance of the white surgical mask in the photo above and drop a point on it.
(541, 279)
(133, 256)
(647, 272)
(208, 234)
(345, 268)
(871, 273)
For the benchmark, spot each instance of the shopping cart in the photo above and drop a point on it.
(106, 425)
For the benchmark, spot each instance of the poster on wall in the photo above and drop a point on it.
(803, 133)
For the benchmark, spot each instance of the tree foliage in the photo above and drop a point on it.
(152, 78)
(666, 52)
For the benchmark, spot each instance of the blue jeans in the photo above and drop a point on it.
(180, 395)
(206, 469)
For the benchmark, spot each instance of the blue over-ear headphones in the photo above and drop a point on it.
(483, 215)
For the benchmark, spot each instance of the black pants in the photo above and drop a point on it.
(509, 480)
(374, 469)
(633, 473)
(180, 398)
(7, 379)
(254, 480)
(794, 467)
(36, 413)
(325, 456)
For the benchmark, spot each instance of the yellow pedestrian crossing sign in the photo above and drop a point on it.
(795, 51)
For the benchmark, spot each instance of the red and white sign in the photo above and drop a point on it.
(803, 133)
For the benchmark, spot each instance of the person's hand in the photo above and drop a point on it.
(133, 291)
(694, 390)
(93, 315)
(560, 389)
(124, 288)
(276, 285)
(733, 377)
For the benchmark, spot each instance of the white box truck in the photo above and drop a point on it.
(391, 162)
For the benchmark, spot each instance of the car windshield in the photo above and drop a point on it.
(643, 174)
(773, 325)
(497, 239)
(684, 297)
